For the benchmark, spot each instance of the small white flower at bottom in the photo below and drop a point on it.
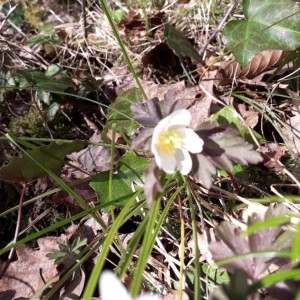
(172, 141)
(110, 288)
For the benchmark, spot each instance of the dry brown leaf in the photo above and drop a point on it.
(25, 276)
(200, 110)
(262, 62)
(152, 90)
(174, 295)
(293, 134)
(83, 190)
(92, 159)
(249, 115)
(272, 152)
(203, 242)
(73, 287)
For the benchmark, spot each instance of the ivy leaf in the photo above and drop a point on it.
(24, 169)
(269, 24)
(131, 169)
(222, 145)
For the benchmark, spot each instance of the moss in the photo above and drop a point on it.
(32, 13)
(31, 124)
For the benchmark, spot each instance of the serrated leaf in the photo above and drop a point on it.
(233, 242)
(222, 146)
(24, 169)
(270, 24)
(131, 169)
(120, 112)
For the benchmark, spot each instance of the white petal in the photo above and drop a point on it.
(183, 161)
(110, 287)
(191, 140)
(181, 117)
(166, 162)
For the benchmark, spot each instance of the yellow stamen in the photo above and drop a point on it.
(169, 141)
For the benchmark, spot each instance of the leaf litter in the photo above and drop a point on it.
(224, 147)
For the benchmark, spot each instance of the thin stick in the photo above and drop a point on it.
(218, 28)
(84, 18)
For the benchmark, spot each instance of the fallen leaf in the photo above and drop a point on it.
(174, 295)
(249, 115)
(83, 190)
(292, 133)
(272, 152)
(25, 276)
(74, 286)
(262, 62)
(180, 44)
(92, 159)
(200, 110)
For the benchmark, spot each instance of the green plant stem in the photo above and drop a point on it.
(36, 235)
(121, 44)
(111, 169)
(195, 240)
(181, 250)
(125, 260)
(155, 222)
(113, 230)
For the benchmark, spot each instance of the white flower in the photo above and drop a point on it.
(172, 141)
(110, 288)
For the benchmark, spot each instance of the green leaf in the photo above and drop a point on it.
(269, 24)
(295, 253)
(57, 256)
(52, 156)
(180, 44)
(131, 169)
(77, 244)
(39, 80)
(120, 112)
(228, 115)
(267, 224)
(216, 275)
(274, 278)
(52, 70)
(238, 170)
(15, 16)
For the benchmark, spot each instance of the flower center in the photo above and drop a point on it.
(169, 141)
